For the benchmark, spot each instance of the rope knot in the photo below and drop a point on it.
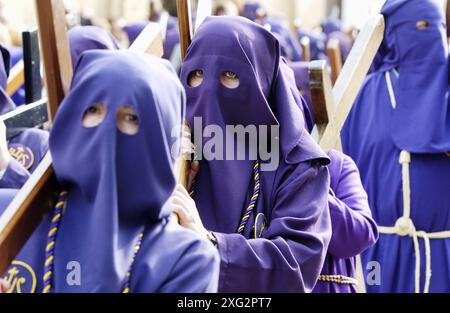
(404, 227)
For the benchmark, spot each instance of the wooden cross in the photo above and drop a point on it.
(37, 196)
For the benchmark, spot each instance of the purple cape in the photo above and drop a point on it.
(288, 254)
(118, 186)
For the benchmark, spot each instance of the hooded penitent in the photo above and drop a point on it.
(403, 107)
(118, 187)
(84, 38)
(287, 254)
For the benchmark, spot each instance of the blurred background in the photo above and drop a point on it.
(19, 14)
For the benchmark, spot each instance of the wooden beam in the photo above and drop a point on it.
(185, 25)
(321, 95)
(55, 51)
(16, 78)
(352, 77)
(335, 57)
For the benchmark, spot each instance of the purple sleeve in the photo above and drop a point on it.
(15, 176)
(291, 253)
(354, 230)
(197, 271)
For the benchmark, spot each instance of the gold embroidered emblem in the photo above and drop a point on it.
(23, 155)
(21, 278)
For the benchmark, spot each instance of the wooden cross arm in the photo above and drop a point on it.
(352, 77)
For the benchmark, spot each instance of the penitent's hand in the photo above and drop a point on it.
(184, 206)
(4, 287)
(5, 157)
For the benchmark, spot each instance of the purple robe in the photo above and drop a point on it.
(415, 119)
(287, 255)
(6, 196)
(106, 212)
(354, 230)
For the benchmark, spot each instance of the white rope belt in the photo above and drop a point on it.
(405, 227)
